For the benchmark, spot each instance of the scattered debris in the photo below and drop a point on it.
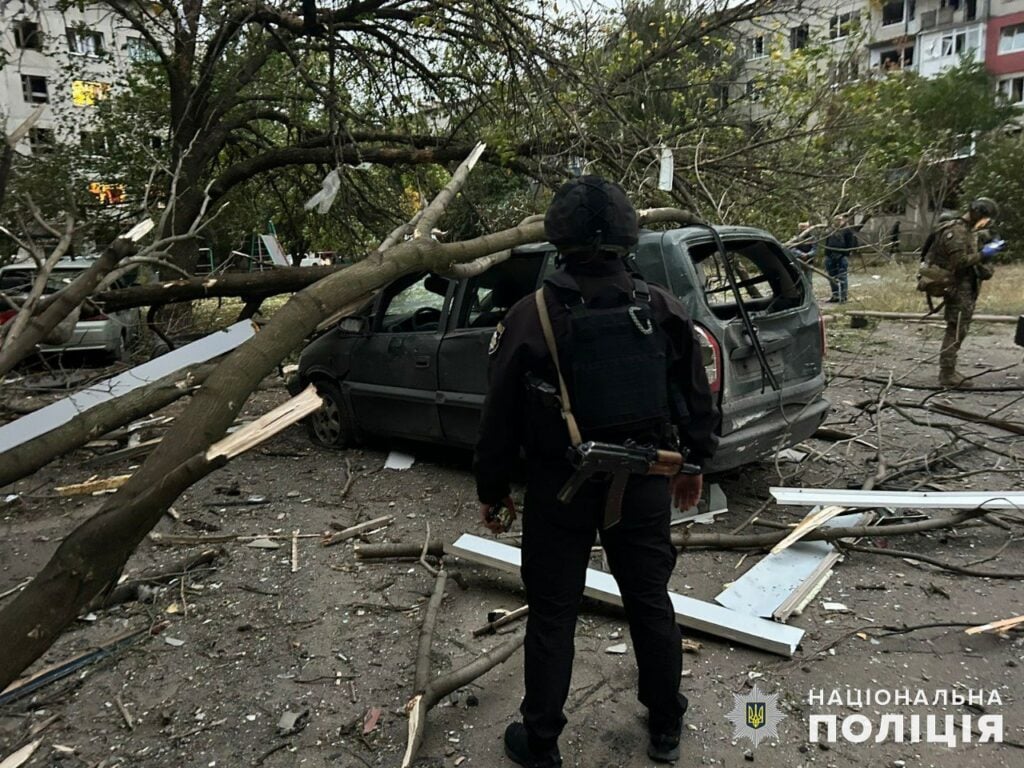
(619, 648)
(267, 425)
(54, 415)
(295, 551)
(997, 626)
(398, 460)
(15, 589)
(791, 456)
(174, 642)
(355, 530)
(811, 522)
(506, 617)
(695, 614)
(717, 505)
(371, 719)
(93, 486)
(292, 722)
(263, 543)
(809, 497)
(838, 607)
(19, 758)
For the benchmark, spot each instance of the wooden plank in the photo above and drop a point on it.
(267, 425)
(809, 497)
(997, 626)
(93, 486)
(355, 530)
(690, 613)
(52, 416)
(812, 522)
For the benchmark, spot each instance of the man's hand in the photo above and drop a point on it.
(496, 525)
(686, 490)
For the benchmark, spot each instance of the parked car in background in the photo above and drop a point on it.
(110, 333)
(414, 363)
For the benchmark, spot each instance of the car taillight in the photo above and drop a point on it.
(7, 314)
(94, 318)
(824, 337)
(712, 354)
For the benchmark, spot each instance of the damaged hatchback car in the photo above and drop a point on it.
(413, 364)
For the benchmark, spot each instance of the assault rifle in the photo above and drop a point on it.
(594, 460)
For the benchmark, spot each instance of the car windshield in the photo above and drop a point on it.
(20, 280)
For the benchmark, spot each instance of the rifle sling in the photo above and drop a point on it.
(549, 337)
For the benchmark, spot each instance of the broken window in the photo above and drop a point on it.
(755, 47)
(139, 50)
(970, 10)
(490, 295)
(766, 279)
(843, 25)
(34, 89)
(417, 307)
(1011, 38)
(893, 12)
(95, 143)
(1012, 89)
(799, 37)
(896, 58)
(41, 139)
(85, 42)
(957, 42)
(27, 35)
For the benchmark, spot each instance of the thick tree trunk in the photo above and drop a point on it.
(26, 458)
(252, 285)
(64, 302)
(93, 555)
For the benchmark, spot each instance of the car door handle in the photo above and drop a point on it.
(422, 361)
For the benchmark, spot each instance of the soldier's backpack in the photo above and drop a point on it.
(932, 280)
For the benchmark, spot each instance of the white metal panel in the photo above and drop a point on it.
(54, 415)
(691, 613)
(810, 497)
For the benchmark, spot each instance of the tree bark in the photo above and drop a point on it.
(92, 556)
(63, 303)
(26, 458)
(251, 285)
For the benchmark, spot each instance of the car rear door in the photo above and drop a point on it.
(392, 381)
(482, 303)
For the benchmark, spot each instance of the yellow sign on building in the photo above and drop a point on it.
(85, 93)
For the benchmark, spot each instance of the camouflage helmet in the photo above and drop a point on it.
(591, 213)
(984, 208)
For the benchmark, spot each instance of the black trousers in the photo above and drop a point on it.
(556, 552)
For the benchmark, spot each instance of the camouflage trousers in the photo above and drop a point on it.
(959, 310)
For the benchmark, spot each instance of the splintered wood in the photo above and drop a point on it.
(93, 485)
(267, 425)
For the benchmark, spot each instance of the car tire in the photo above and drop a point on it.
(120, 351)
(332, 426)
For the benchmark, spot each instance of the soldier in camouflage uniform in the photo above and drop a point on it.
(955, 250)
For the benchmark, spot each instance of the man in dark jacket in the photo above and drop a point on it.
(838, 247)
(632, 367)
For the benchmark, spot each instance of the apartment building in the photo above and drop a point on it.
(1004, 48)
(63, 61)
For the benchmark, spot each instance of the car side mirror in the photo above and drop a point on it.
(358, 324)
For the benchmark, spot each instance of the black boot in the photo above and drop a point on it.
(518, 750)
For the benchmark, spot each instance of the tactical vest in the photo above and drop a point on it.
(618, 358)
(933, 280)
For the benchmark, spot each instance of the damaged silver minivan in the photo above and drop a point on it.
(414, 363)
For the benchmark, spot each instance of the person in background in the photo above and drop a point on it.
(838, 247)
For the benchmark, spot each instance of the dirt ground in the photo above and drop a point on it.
(249, 639)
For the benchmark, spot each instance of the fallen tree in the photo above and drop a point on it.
(26, 458)
(91, 556)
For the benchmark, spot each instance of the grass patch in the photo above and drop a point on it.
(892, 288)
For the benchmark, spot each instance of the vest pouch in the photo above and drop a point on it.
(619, 370)
(934, 281)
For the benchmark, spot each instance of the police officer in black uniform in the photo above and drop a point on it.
(633, 369)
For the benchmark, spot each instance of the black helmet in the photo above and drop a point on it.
(984, 208)
(590, 213)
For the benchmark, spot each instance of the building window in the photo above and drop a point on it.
(139, 50)
(34, 89)
(85, 42)
(896, 58)
(41, 139)
(893, 12)
(970, 10)
(85, 93)
(27, 35)
(799, 37)
(1011, 39)
(755, 47)
(94, 143)
(754, 91)
(842, 25)
(956, 42)
(1013, 89)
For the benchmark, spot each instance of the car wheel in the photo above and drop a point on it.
(120, 351)
(332, 426)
